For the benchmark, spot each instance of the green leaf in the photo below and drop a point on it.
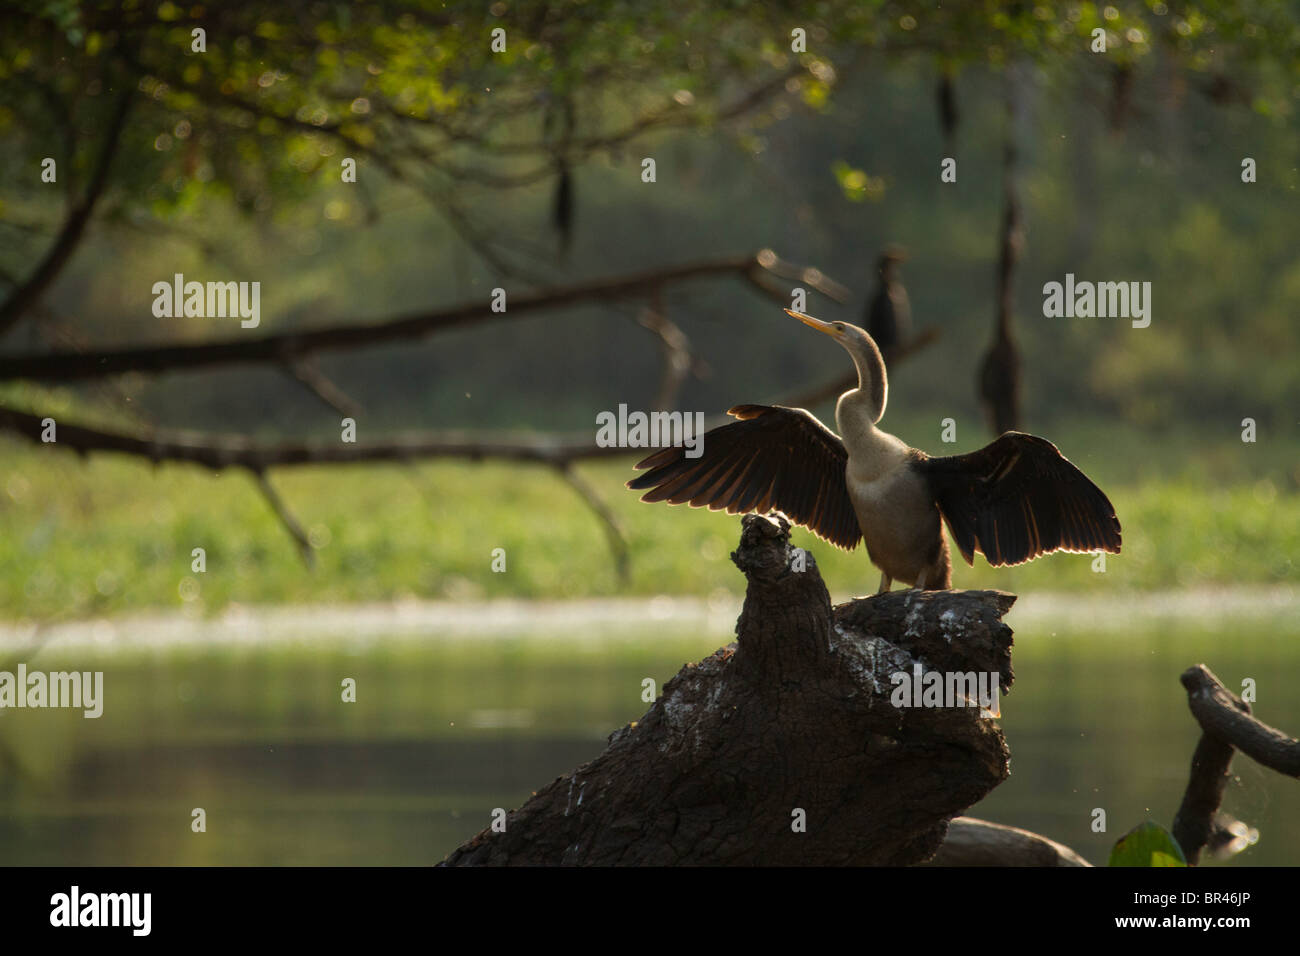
(856, 183)
(1149, 844)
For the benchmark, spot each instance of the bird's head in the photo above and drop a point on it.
(872, 381)
(891, 256)
(850, 336)
(889, 260)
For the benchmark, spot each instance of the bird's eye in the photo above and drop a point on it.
(839, 326)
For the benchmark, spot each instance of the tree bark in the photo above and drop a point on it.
(973, 842)
(792, 722)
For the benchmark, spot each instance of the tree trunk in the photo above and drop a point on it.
(784, 747)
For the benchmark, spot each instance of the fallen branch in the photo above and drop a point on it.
(1227, 726)
(972, 842)
(1227, 717)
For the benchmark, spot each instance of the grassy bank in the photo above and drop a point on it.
(109, 534)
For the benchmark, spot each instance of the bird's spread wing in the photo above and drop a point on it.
(772, 458)
(1017, 498)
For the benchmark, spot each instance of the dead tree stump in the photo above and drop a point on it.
(784, 748)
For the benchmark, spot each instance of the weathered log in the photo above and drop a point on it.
(793, 721)
(972, 842)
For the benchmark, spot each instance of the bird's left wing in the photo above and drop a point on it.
(1017, 498)
(771, 458)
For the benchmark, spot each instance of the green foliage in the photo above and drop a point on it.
(1148, 844)
(280, 93)
(857, 185)
(256, 127)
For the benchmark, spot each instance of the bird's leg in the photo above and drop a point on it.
(885, 582)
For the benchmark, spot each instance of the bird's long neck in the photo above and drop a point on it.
(860, 408)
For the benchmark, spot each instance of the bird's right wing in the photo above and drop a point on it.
(773, 457)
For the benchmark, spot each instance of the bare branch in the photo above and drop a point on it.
(279, 347)
(613, 530)
(306, 371)
(1228, 726)
(812, 277)
(230, 452)
(778, 292)
(286, 517)
(237, 451)
(808, 275)
(1194, 822)
(16, 306)
(675, 351)
(672, 115)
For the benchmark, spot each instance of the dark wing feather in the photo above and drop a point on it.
(1017, 498)
(771, 458)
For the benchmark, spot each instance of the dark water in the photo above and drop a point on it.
(443, 731)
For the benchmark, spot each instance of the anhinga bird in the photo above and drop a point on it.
(889, 316)
(1013, 500)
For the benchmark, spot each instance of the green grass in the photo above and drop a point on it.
(109, 534)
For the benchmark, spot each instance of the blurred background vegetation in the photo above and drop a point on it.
(228, 168)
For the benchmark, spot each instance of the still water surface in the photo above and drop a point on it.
(462, 709)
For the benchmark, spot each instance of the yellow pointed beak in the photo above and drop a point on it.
(817, 324)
